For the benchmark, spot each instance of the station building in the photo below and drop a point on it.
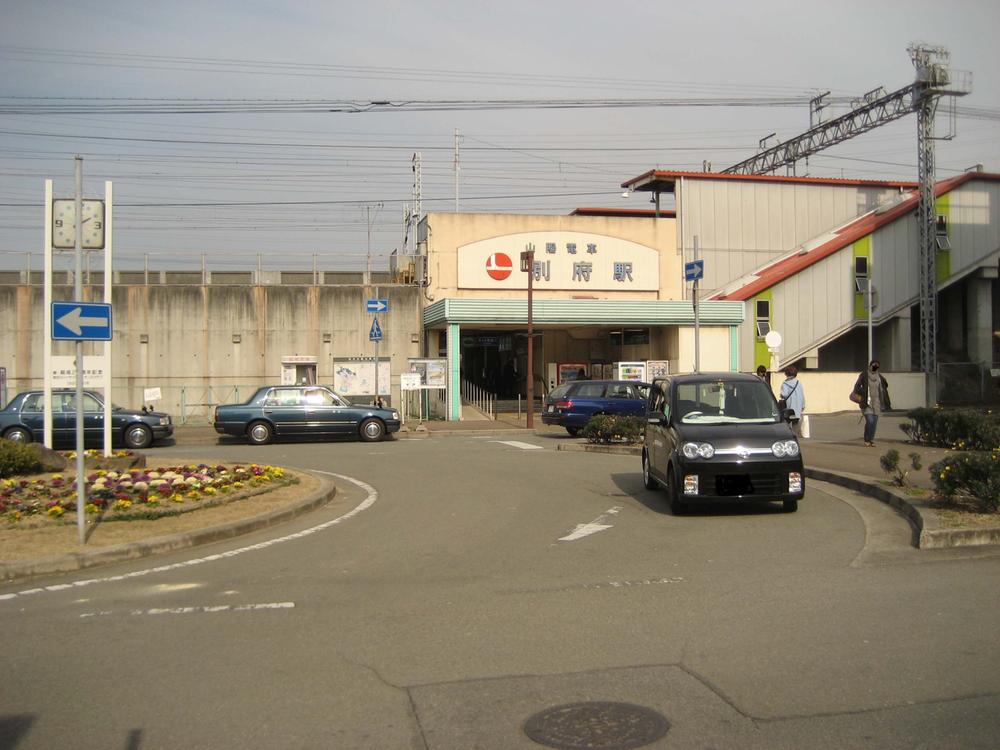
(795, 255)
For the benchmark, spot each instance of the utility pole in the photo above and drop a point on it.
(81, 477)
(456, 167)
(528, 266)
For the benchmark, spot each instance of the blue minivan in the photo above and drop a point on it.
(571, 405)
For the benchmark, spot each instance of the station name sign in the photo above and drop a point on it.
(563, 260)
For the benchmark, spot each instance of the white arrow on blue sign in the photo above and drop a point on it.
(375, 334)
(694, 270)
(81, 321)
(377, 305)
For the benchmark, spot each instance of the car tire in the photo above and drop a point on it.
(677, 506)
(18, 435)
(371, 430)
(573, 431)
(137, 436)
(647, 478)
(789, 506)
(259, 433)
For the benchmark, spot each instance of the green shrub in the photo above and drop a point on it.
(16, 458)
(606, 428)
(962, 429)
(975, 476)
(890, 465)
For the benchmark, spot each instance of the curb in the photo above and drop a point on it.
(620, 450)
(17, 571)
(930, 535)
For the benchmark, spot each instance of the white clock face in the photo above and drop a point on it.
(64, 224)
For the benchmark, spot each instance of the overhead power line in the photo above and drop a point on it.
(14, 105)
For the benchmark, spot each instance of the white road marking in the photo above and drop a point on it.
(193, 610)
(518, 444)
(586, 529)
(368, 502)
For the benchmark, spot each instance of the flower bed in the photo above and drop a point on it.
(136, 493)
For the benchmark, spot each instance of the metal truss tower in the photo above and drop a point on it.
(934, 80)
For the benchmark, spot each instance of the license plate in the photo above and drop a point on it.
(551, 408)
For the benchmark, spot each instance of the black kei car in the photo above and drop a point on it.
(23, 421)
(720, 436)
(302, 411)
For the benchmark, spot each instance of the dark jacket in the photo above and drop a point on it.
(861, 386)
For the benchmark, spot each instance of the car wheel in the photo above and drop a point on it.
(647, 478)
(18, 435)
(371, 430)
(259, 433)
(790, 506)
(677, 506)
(137, 436)
(573, 431)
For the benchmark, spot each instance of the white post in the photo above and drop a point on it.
(107, 299)
(47, 315)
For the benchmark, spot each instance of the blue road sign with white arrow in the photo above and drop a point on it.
(694, 270)
(81, 321)
(375, 334)
(377, 305)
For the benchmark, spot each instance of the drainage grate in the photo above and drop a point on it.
(599, 725)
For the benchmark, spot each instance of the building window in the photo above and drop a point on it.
(941, 233)
(763, 317)
(861, 273)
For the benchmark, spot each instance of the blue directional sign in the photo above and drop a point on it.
(377, 305)
(81, 321)
(694, 270)
(375, 334)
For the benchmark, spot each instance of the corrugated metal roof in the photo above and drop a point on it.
(847, 235)
(580, 312)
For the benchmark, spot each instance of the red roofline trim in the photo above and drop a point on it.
(665, 213)
(670, 175)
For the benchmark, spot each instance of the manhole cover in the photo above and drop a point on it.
(596, 726)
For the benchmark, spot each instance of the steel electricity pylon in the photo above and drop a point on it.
(934, 79)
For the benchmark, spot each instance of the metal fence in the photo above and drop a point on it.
(967, 384)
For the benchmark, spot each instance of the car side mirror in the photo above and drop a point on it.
(787, 414)
(657, 417)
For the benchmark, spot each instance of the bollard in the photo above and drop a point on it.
(805, 425)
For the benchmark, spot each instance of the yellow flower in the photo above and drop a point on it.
(56, 510)
(123, 504)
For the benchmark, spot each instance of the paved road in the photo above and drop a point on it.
(451, 607)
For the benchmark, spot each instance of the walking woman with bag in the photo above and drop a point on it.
(793, 397)
(871, 394)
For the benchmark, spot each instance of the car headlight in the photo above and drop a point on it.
(785, 448)
(698, 450)
(164, 421)
(395, 415)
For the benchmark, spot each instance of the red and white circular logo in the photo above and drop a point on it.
(498, 266)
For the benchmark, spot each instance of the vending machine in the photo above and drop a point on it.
(557, 373)
(628, 371)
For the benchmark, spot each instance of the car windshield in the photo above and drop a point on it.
(725, 402)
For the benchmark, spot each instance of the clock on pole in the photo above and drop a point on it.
(64, 224)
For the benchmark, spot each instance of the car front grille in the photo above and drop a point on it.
(727, 485)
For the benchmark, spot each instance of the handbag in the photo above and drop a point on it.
(855, 397)
(783, 402)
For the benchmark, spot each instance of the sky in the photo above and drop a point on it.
(292, 188)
